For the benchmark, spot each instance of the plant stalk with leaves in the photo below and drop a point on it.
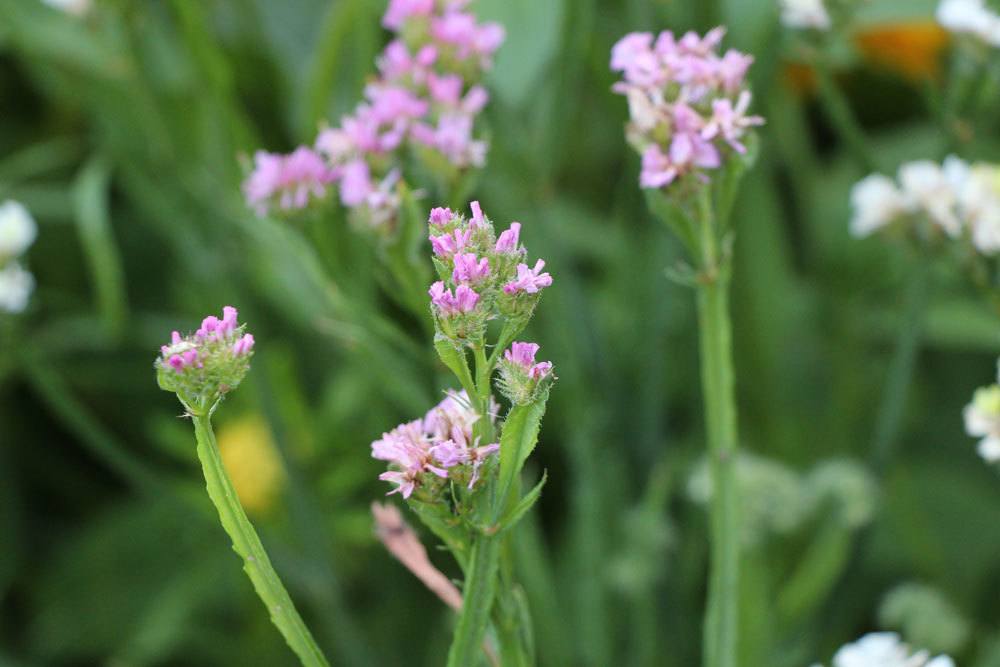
(688, 106)
(456, 473)
(201, 369)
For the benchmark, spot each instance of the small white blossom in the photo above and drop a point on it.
(16, 286)
(17, 230)
(979, 202)
(982, 420)
(971, 17)
(884, 649)
(877, 202)
(929, 187)
(804, 14)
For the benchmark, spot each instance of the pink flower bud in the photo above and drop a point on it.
(509, 239)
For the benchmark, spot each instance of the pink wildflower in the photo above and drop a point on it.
(440, 216)
(530, 280)
(399, 11)
(287, 181)
(446, 245)
(469, 269)
(509, 239)
(523, 355)
(463, 300)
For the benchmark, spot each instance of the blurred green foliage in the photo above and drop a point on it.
(122, 131)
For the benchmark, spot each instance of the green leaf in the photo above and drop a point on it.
(520, 434)
(674, 217)
(532, 41)
(517, 512)
(454, 359)
(98, 241)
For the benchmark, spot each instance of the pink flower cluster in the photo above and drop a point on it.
(286, 181)
(183, 353)
(425, 99)
(687, 102)
(523, 355)
(477, 268)
(438, 446)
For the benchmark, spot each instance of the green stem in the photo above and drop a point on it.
(479, 591)
(890, 415)
(477, 601)
(246, 543)
(838, 112)
(722, 617)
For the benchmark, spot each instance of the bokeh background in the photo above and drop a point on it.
(122, 131)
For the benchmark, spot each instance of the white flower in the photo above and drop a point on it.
(884, 649)
(17, 230)
(979, 201)
(876, 202)
(804, 14)
(929, 187)
(16, 286)
(982, 420)
(972, 17)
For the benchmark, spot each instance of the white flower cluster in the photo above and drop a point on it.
(982, 420)
(17, 233)
(958, 198)
(885, 649)
(972, 17)
(804, 14)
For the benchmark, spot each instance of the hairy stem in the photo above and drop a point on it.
(722, 617)
(246, 543)
(477, 600)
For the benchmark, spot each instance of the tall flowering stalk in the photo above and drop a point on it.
(201, 369)
(689, 121)
(459, 466)
(415, 128)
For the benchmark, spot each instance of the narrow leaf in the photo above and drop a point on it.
(511, 518)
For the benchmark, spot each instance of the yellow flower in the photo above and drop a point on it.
(250, 457)
(911, 49)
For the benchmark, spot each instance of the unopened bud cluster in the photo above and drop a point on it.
(204, 366)
(482, 276)
(522, 379)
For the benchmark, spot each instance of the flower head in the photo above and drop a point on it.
(687, 102)
(439, 446)
(16, 286)
(959, 199)
(480, 273)
(204, 366)
(425, 102)
(810, 14)
(530, 280)
(520, 375)
(970, 17)
(286, 181)
(982, 420)
(17, 230)
(885, 649)
(877, 202)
